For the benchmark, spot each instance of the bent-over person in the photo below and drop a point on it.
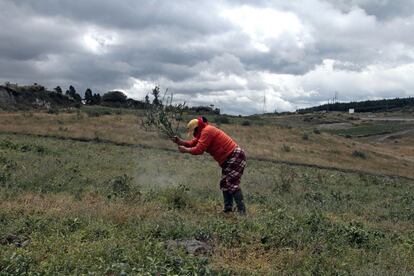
(231, 158)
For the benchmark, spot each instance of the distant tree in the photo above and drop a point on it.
(77, 98)
(96, 99)
(88, 96)
(72, 93)
(58, 89)
(156, 94)
(114, 97)
(147, 101)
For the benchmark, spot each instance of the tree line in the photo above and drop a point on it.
(110, 98)
(363, 106)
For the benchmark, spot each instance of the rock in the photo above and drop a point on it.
(16, 240)
(6, 98)
(25, 243)
(191, 246)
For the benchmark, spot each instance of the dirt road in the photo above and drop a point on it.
(390, 119)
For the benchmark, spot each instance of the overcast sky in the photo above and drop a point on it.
(227, 53)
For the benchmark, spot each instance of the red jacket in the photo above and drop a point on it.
(214, 141)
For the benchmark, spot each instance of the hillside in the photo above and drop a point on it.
(13, 97)
(89, 192)
(365, 106)
(265, 139)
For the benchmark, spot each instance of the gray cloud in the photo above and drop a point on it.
(230, 53)
(381, 9)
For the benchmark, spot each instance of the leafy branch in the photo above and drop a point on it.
(164, 118)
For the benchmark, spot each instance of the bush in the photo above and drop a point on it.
(98, 112)
(286, 148)
(114, 96)
(287, 177)
(4, 178)
(305, 136)
(359, 154)
(316, 131)
(221, 120)
(177, 197)
(246, 123)
(120, 186)
(6, 144)
(53, 111)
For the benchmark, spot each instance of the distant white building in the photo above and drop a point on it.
(351, 111)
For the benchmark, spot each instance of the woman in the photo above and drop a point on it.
(225, 151)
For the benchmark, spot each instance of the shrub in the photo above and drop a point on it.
(315, 197)
(120, 186)
(305, 136)
(177, 197)
(316, 131)
(98, 112)
(6, 144)
(114, 96)
(246, 123)
(26, 114)
(221, 120)
(287, 176)
(53, 111)
(359, 154)
(93, 113)
(356, 235)
(4, 178)
(286, 148)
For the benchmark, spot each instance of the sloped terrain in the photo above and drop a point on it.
(95, 194)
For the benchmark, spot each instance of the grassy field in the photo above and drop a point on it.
(74, 207)
(371, 129)
(271, 141)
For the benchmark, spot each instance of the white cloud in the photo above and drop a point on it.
(297, 53)
(266, 27)
(98, 41)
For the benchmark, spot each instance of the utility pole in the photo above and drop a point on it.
(264, 102)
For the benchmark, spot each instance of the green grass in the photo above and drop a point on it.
(105, 209)
(98, 110)
(369, 129)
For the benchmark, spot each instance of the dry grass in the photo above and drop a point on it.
(92, 206)
(63, 201)
(258, 141)
(249, 260)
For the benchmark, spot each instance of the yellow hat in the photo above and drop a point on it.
(191, 126)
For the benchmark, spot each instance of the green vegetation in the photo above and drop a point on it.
(369, 129)
(359, 154)
(77, 208)
(70, 207)
(364, 106)
(97, 111)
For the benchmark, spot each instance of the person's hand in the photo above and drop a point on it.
(175, 139)
(182, 149)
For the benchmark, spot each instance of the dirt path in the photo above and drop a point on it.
(390, 119)
(387, 136)
(274, 161)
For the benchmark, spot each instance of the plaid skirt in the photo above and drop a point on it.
(232, 171)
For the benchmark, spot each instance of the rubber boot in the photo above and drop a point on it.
(228, 202)
(238, 197)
